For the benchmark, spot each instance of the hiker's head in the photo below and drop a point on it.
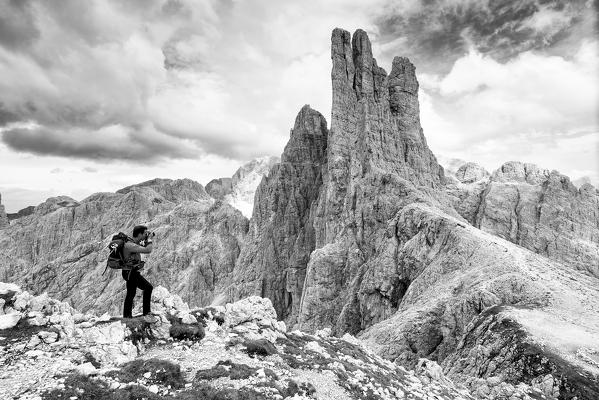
(139, 232)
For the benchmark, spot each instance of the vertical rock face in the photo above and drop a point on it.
(375, 127)
(378, 161)
(3, 216)
(281, 237)
(335, 192)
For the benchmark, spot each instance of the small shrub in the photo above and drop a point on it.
(203, 315)
(161, 372)
(205, 391)
(227, 369)
(181, 331)
(302, 388)
(89, 358)
(261, 347)
(84, 387)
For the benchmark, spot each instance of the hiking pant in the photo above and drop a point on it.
(133, 282)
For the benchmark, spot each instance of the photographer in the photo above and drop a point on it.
(142, 243)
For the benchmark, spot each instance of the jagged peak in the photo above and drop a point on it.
(309, 121)
(308, 138)
(403, 75)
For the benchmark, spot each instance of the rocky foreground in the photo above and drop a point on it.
(48, 351)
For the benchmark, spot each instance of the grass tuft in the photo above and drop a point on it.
(161, 372)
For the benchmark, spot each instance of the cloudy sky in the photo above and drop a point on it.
(100, 94)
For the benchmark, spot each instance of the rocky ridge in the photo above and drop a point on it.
(234, 352)
(535, 208)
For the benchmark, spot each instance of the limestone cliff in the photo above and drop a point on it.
(281, 235)
(453, 274)
(377, 162)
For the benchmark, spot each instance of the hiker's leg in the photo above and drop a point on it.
(131, 289)
(147, 287)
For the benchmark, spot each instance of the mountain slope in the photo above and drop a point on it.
(235, 352)
(61, 247)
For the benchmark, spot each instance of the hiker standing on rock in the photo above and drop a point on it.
(132, 250)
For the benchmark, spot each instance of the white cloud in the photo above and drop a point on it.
(238, 71)
(528, 108)
(548, 20)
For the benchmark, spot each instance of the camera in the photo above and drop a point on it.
(150, 234)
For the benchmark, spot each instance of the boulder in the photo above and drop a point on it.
(251, 309)
(8, 321)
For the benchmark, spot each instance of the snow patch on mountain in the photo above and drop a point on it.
(245, 181)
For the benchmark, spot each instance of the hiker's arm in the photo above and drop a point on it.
(135, 248)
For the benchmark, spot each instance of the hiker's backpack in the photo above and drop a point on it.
(116, 257)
